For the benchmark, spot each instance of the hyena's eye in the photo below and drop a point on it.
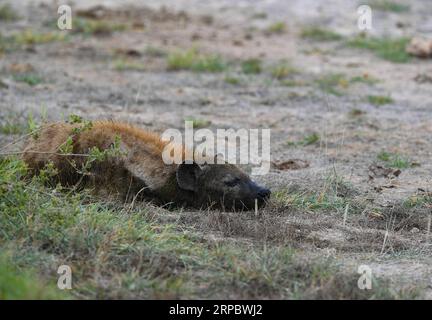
(233, 182)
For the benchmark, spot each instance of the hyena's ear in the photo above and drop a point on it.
(187, 175)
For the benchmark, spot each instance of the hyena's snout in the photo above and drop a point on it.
(259, 194)
(263, 194)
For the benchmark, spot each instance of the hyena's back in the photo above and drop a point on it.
(141, 155)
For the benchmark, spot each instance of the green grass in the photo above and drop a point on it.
(259, 15)
(199, 123)
(282, 70)
(251, 66)
(23, 284)
(333, 83)
(394, 160)
(232, 80)
(7, 13)
(195, 61)
(391, 49)
(310, 139)
(19, 40)
(92, 27)
(390, 6)
(417, 201)
(29, 37)
(155, 52)
(31, 79)
(12, 127)
(366, 79)
(319, 34)
(277, 28)
(379, 100)
(138, 253)
(125, 65)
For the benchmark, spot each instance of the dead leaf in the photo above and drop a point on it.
(292, 164)
(383, 172)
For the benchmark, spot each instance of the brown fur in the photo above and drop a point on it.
(139, 170)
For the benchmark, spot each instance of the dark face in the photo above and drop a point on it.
(222, 185)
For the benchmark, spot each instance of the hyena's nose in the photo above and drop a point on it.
(264, 193)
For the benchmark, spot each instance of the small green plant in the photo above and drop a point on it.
(333, 83)
(10, 128)
(310, 139)
(394, 160)
(155, 52)
(277, 28)
(31, 79)
(251, 66)
(199, 123)
(387, 5)
(7, 13)
(29, 37)
(259, 15)
(379, 100)
(232, 80)
(391, 49)
(319, 34)
(194, 61)
(96, 27)
(292, 83)
(282, 71)
(366, 79)
(417, 201)
(125, 64)
(22, 283)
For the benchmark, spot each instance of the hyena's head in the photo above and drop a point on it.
(222, 185)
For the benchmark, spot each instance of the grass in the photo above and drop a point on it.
(394, 160)
(277, 28)
(11, 127)
(155, 52)
(417, 201)
(366, 79)
(379, 100)
(96, 27)
(282, 70)
(31, 79)
(333, 83)
(23, 283)
(126, 64)
(7, 13)
(232, 80)
(199, 123)
(195, 61)
(391, 49)
(390, 6)
(333, 196)
(251, 66)
(319, 34)
(116, 251)
(310, 139)
(28, 37)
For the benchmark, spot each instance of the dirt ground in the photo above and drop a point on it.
(374, 226)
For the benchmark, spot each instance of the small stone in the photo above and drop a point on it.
(415, 230)
(420, 47)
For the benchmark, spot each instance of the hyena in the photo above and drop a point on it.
(139, 169)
